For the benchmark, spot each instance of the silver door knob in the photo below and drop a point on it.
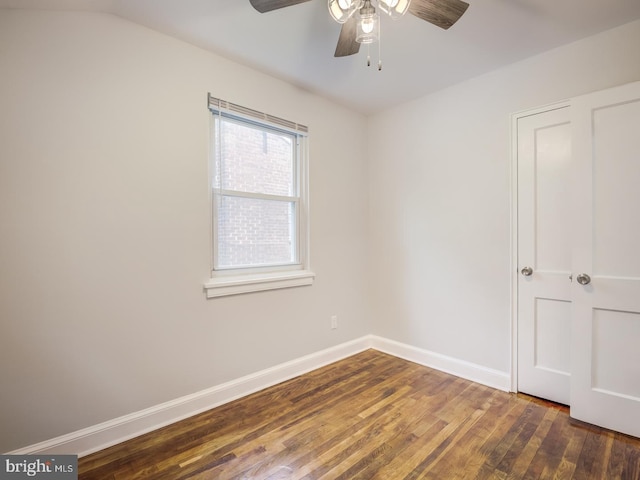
(583, 279)
(527, 271)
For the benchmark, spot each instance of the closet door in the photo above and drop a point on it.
(605, 329)
(544, 254)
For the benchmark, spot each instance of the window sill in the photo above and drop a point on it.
(234, 285)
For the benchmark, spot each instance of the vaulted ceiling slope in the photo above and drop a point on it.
(297, 43)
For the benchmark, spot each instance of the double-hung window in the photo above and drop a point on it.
(259, 201)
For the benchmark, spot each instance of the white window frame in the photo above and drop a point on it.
(232, 281)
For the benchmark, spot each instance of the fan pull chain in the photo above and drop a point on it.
(379, 57)
(379, 49)
(379, 53)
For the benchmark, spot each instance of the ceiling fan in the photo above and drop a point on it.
(359, 18)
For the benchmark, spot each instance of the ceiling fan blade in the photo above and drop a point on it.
(442, 13)
(267, 5)
(347, 44)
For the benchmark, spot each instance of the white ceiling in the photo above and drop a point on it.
(297, 43)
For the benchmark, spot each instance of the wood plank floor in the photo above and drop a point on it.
(374, 416)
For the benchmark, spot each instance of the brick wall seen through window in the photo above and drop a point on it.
(256, 208)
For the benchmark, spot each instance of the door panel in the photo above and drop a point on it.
(605, 384)
(616, 166)
(615, 335)
(552, 202)
(552, 332)
(544, 308)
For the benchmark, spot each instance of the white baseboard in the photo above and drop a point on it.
(459, 368)
(106, 434)
(97, 437)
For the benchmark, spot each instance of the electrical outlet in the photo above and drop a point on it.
(334, 322)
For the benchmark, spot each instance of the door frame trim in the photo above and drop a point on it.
(514, 228)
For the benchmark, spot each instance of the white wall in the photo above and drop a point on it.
(440, 197)
(104, 225)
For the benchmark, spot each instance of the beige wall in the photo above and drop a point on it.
(104, 225)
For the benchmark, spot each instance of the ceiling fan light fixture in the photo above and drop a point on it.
(342, 10)
(394, 8)
(368, 24)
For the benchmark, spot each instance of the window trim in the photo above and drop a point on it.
(232, 281)
(222, 285)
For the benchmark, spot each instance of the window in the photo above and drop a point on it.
(259, 201)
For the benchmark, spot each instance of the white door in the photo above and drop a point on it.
(544, 254)
(605, 382)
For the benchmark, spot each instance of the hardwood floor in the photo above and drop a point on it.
(374, 416)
